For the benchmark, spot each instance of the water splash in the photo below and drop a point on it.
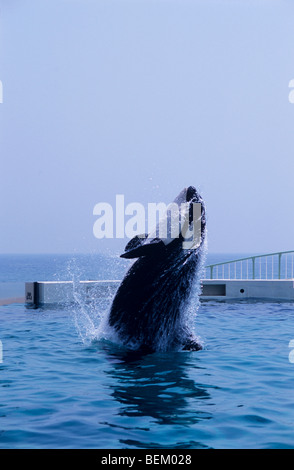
(90, 309)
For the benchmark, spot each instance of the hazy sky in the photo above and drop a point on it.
(143, 98)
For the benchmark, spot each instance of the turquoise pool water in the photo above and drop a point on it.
(62, 388)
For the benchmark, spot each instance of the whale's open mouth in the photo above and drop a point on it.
(184, 220)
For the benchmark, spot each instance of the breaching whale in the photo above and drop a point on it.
(148, 311)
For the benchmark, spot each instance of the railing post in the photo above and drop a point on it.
(211, 272)
(253, 267)
(280, 259)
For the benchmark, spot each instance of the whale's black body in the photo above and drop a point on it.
(148, 311)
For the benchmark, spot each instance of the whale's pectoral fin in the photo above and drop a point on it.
(141, 245)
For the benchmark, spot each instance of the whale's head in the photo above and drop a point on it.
(182, 226)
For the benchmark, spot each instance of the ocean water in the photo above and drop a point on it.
(63, 385)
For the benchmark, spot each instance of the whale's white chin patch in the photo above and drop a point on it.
(181, 219)
(175, 223)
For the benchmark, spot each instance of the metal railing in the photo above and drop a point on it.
(278, 265)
